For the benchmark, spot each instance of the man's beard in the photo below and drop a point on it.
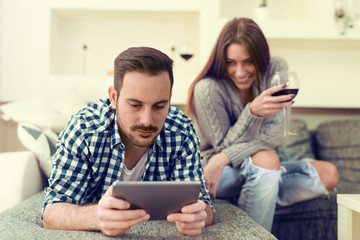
(138, 143)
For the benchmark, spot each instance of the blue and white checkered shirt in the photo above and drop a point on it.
(90, 156)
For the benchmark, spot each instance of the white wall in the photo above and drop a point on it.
(328, 70)
(26, 59)
(41, 50)
(1, 46)
(24, 48)
(314, 117)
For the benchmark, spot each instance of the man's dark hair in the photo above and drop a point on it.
(144, 60)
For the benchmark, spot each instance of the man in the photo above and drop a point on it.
(134, 135)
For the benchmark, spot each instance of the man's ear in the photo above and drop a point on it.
(112, 96)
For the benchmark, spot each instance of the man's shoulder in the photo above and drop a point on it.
(177, 121)
(96, 116)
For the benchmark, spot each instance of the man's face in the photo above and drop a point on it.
(141, 107)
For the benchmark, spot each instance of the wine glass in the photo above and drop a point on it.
(292, 87)
(186, 52)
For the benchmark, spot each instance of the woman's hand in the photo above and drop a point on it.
(266, 104)
(213, 171)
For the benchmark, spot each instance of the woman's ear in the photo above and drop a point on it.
(112, 96)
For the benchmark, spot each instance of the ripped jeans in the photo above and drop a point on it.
(257, 190)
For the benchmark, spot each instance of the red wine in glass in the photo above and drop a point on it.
(291, 81)
(286, 92)
(186, 56)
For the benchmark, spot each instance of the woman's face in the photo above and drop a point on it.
(240, 67)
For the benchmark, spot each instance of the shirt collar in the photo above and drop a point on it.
(115, 136)
(158, 140)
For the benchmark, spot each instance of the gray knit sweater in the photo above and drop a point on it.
(224, 125)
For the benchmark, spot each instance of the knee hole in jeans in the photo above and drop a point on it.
(266, 159)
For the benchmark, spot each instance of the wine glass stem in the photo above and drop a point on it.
(285, 121)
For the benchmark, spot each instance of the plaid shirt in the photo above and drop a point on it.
(90, 156)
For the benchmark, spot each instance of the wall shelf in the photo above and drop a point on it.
(134, 5)
(54, 32)
(106, 31)
(303, 30)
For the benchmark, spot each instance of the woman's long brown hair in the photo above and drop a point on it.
(241, 31)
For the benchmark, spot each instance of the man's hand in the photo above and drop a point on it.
(266, 104)
(114, 216)
(193, 218)
(213, 171)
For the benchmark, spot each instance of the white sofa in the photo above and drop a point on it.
(22, 181)
(20, 177)
(20, 214)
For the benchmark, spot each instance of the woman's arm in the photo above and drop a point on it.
(249, 133)
(217, 122)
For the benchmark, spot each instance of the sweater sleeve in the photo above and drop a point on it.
(212, 103)
(265, 140)
(239, 139)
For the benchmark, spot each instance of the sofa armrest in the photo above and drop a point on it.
(20, 177)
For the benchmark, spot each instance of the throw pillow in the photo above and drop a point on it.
(339, 142)
(41, 141)
(40, 112)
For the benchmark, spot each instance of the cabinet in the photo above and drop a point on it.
(86, 36)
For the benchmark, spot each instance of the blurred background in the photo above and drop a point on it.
(56, 55)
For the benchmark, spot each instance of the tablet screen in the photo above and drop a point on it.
(158, 199)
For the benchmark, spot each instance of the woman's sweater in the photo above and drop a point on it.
(225, 125)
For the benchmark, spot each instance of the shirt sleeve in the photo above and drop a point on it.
(188, 164)
(71, 171)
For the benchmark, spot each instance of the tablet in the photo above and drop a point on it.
(158, 199)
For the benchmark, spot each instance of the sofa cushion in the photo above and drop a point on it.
(311, 219)
(48, 109)
(24, 222)
(296, 147)
(339, 142)
(41, 141)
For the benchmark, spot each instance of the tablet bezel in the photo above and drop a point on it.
(158, 198)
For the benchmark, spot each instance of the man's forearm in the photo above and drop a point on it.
(210, 216)
(66, 216)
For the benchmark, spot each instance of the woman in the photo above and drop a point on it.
(238, 120)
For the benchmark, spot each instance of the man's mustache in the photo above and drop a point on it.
(144, 128)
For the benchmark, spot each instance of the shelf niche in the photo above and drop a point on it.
(106, 33)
